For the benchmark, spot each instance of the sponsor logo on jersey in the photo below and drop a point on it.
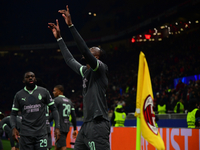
(32, 108)
(24, 99)
(149, 114)
(39, 97)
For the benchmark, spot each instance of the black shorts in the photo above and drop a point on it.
(62, 141)
(33, 143)
(93, 135)
(49, 141)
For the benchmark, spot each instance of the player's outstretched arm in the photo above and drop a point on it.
(69, 59)
(92, 61)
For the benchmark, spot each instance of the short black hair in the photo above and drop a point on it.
(60, 87)
(27, 72)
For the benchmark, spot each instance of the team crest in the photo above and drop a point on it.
(39, 97)
(149, 115)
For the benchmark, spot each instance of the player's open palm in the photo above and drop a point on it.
(55, 29)
(66, 15)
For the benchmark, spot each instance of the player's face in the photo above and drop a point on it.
(29, 79)
(55, 92)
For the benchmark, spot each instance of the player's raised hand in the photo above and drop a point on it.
(57, 134)
(74, 134)
(55, 29)
(66, 15)
(15, 134)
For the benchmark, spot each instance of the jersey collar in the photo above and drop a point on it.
(61, 96)
(31, 91)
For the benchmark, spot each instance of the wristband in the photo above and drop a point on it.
(59, 39)
(71, 26)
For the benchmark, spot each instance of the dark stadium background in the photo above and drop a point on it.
(27, 44)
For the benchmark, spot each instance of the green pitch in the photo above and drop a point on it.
(6, 145)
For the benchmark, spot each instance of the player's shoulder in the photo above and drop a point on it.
(102, 64)
(41, 88)
(64, 99)
(20, 92)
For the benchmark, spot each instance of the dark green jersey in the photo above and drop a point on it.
(64, 107)
(95, 83)
(32, 105)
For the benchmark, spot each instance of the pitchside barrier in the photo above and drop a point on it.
(124, 138)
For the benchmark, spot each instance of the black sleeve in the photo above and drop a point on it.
(73, 118)
(13, 119)
(14, 112)
(50, 117)
(92, 61)
(7, 129)
(112, 119)
(55, 115)
(69, 59)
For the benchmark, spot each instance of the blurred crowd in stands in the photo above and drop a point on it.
(174, 57)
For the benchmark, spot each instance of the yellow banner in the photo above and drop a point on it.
(144, 105)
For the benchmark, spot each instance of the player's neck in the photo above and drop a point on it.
(30, 88)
